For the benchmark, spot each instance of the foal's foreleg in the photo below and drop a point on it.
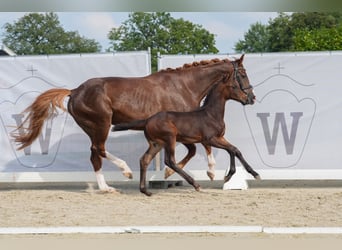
(244, 163)
(233, 151)
(211, 162)
(191, 152)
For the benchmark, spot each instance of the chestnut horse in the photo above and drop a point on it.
(100, 102)
(204, 125)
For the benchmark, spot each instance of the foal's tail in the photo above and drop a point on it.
(135, 125)
(41, 109)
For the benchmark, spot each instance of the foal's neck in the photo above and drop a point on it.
(215, 104)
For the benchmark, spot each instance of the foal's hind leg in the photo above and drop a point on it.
(145, 160)
(171, 162)
(191, 152)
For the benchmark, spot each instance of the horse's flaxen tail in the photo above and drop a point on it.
(135, 125)
(41, 109)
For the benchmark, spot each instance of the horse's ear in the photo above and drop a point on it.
(241, 59)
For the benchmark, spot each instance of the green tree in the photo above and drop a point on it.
(255, 39)
(37, 33)
(318, 39)
(295, 31)
(280, 33)
(161, 33)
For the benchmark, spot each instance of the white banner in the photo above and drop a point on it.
(294, 125)
(62, 145)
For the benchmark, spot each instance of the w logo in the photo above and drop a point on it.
(280, 122)
(44, 137)
(280, 125)
(43, 151)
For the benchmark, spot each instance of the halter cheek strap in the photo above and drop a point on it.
(237, 78)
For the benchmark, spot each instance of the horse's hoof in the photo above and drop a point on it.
(110, 190)
(129, 175)
(197, 188)
(211, 175)
(257, 177)
(168, 172)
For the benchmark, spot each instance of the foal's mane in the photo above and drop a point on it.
(195, 64)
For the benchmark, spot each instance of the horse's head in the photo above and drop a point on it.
(238, 83)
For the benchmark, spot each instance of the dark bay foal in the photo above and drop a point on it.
(204, 125)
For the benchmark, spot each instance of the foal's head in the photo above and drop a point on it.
(238, 84)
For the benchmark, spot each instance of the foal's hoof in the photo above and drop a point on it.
(147, 193)
(211, 175)
(226, 179)
(129, 175)
(168, 172)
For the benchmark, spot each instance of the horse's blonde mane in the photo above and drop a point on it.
(195, 64)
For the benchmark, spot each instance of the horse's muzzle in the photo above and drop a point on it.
(250, 98)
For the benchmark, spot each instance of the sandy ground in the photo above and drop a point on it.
(84, 205)
(81, 204)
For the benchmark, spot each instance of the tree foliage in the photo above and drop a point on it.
(318, 39)
(161, 33)
(256, 39)
(300, 31)
(37, 33)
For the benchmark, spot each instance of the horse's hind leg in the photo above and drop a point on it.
(98, 136)
(98, 152)
(126, 171)
(96, 160)
(191, 152)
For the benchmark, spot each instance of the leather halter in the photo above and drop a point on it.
(237, 78)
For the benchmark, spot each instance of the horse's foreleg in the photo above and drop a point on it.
(191, 152)
(211, 162)
(126, 171)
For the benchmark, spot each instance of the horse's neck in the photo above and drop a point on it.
(202, 79)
